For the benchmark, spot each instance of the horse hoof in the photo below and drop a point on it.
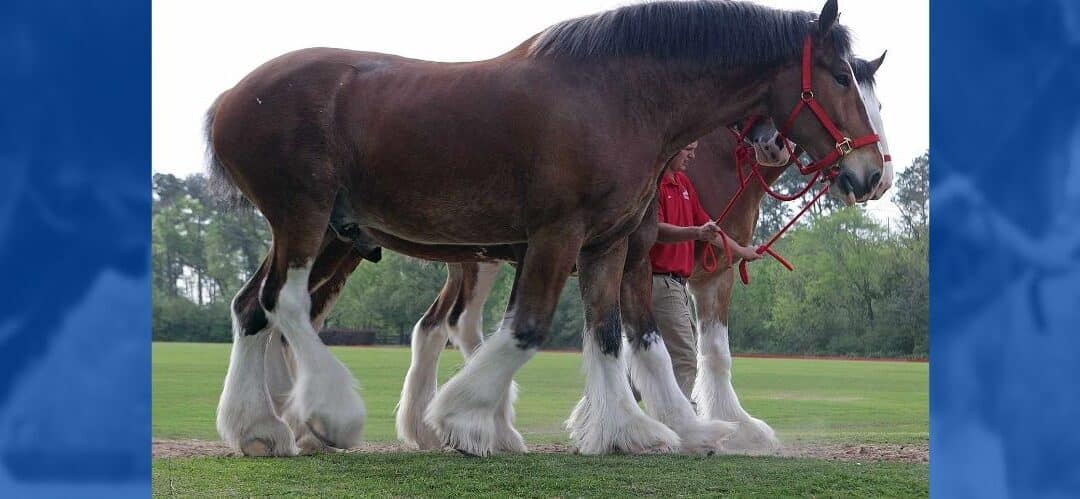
(344, 435)
(310, 444)
(262, 447)
(269, 437)
(466, 453)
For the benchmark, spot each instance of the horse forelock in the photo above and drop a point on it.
(864, 71)
(711, 31)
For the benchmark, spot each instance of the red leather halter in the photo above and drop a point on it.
(824, 169)
(844, 145)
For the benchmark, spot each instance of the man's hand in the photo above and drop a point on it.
(748, 254)
(709, 232)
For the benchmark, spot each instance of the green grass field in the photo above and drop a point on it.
(804, 400)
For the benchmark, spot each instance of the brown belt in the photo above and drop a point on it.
(678, 278)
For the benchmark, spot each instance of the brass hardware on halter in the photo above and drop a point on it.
(844, 146)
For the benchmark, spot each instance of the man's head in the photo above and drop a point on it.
(681, 159)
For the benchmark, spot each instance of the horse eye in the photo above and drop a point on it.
(842, 79)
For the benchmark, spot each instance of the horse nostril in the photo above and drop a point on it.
(875, 179)
(847, 182)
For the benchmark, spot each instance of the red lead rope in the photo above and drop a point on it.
(824, 169)
(742, 156)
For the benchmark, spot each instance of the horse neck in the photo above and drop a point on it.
(681, 101)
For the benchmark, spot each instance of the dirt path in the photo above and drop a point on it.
(910, 453)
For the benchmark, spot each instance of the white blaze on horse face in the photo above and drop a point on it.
(860, 160)
(873, 109)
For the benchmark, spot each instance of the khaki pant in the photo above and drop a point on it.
(671, 306)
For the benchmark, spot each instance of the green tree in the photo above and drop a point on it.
(913, 196)
(774, 214)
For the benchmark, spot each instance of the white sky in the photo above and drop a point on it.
(201, 48)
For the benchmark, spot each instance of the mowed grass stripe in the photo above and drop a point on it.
(534, 475)
(813, 400)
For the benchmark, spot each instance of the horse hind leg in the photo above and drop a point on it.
(421, 381)
(466, 317)
(324, 398)
(337, 260)
(607, 419)
(246, 419)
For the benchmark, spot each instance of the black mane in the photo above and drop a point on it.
(718, 32)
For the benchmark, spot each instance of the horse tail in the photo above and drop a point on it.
(221, 183)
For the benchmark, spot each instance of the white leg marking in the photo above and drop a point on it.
(464, 410)
(324, 397)
(715, 396)
(469, 332)
(651, 372)
(468, 335)
(606, 419)
(421, 382)
(280, 372)
(245, 414)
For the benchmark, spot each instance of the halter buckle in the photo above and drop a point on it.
(807, 95)
(844, 146)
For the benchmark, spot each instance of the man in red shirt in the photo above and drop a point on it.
(682, 223)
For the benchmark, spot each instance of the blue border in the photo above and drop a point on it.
(74, 233)
(74, 248)
(1005, 249)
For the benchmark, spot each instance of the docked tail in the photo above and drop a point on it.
(221, 183)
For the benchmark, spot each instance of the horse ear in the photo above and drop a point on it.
(827, 19)
(876, 63)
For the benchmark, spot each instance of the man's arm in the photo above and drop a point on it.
(675, 234)
(709, 232)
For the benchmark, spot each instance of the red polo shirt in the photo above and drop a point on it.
(679, 206)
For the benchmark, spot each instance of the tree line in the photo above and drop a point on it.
(860, 287)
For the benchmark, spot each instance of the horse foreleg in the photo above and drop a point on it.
(467, 333)
(650, 363)
(463, 412)
(607, 419)
(713, 391)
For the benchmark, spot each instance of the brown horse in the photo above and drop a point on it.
(456, 314)
(711, 291)
(557, 145)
